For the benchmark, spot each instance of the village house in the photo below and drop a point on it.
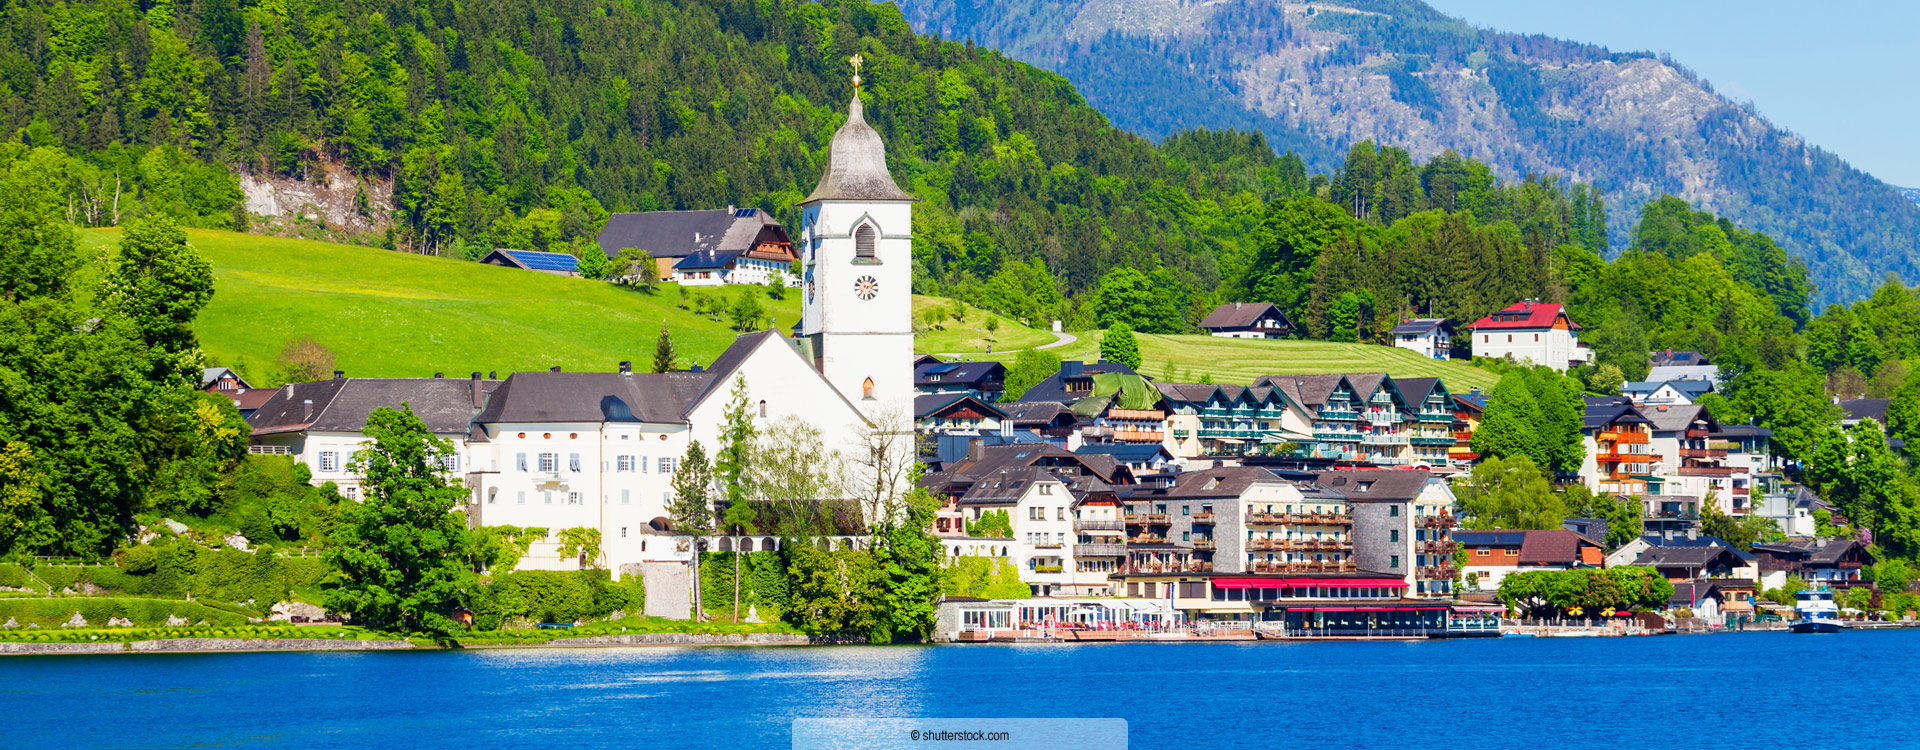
(1247, 320)
(669, 236)
(1110, 402)
(319, 423)
(763, 264)
(956, 414)
(226, 383)
(1431, 337)
(1530, 331)
(1402, 525)
(1835, 563)
(1230, 420)
(981, 380)
(1468, 408)
(1665, 392)
(1492, 555)
(1619, 457)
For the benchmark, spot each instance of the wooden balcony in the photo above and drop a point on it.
(1436, 571)
(1205, 516)
(1697, 434)
(1203, 544)
(1346, 566)
(1147, 539)
(1702, 453)
(1617, 457)
(1170, 567)
(1431, 547)
(1706, 471)
(1438, 522)
(1099, 550)
(1154, 518)
(1098, 525)
(1621, 437)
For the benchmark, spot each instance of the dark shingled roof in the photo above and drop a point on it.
(926, 405)
(1228, 481)
(1029, 414)
(342, 404)
(708, 259)
(968, 373)
(1308, 390)
(1054, 389)
(1603, 412)
(1127, 452)
(1867, 408)
(1239, 315)
(677, 234)
(594, 397)
(1418, 326)
(1379, 484)
(857, 164)
(1677, 358)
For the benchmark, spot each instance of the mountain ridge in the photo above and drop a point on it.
(1335, 72)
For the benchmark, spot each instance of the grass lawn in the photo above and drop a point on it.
(392, 314)
(971, 336)
(1241, 361)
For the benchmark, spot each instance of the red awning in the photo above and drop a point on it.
(1249, 583)
(1478, 608)
(1352, 583)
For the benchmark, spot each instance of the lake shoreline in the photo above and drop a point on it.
(264, 645)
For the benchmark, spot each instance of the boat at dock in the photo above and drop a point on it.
(1816, 613)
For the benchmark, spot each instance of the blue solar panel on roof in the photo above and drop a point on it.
(545, 261)
(942, 369)
(746, 213)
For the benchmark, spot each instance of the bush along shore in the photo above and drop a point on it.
(625, 632)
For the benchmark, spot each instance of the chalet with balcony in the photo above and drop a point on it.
(1099, 537)
(1666, 392)
(1691, 465)
(1428, 422)
(981, 380)
(1050, 420)
(956, 414)
(1247, 320)
(1494, 554)
(228, 384)
(1141, 458)
(1620, 457)
(1467, 410)
(1836, 563)
(1355, 418)
(669, 236)
(1231, 420)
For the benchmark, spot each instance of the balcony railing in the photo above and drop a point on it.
(1146, 539)
(1267, 518)
(1203, 544)
(1433, 440)
(1098, 525)
(1155, 517)
(1436, 571)
(1046, 568)
(1048, 545)
(1099, 550)
(1376, 438)
(1621, 437)
(1697, 434)
(1431, 547)
(1702, 453)
(1137, 415)
(1171, 567)
(1438, 522)
(1338, 414)
(1706, 471)
(1616, 456)
(1337, 437)
(1463, 437)
(1205, 516)
(1441, 417)
(1346, 566)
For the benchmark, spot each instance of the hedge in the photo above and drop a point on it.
(15, 577)
(98, 610)
(763, 583)
(555, 596)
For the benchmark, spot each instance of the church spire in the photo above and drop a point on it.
(856, 158)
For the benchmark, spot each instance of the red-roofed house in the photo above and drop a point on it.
(1530, 330)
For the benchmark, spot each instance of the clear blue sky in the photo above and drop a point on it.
(1844, 75)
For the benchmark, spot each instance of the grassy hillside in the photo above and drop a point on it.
(970, 335)
(390, 314)
(1187, 358)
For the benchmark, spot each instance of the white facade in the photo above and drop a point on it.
(745, 270)
(1553, 347)
(525, 473)
(1434, 344)
(329, 455)
(857, 310)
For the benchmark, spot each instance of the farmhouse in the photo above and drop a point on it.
(1530, 331)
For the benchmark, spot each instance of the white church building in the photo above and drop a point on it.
(563, 450)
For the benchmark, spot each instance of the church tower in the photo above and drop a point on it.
(857, 256)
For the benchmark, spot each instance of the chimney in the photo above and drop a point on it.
(626, 367)
(555, 368)
(339, 374)
(306, 410)
(479, 394)
(287, 390)
(1236, 305)
(491, 375)
(1666, 534)
(439, 375)
(1070, 369)
(1693, 533)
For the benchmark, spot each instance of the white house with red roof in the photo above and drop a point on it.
(1531, 331)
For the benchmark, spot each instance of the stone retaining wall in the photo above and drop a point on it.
(202, 644)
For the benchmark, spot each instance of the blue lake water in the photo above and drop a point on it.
(1727, 691)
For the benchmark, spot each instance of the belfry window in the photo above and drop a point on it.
(863, 240)
(866, 389)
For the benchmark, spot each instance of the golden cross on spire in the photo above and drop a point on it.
(856, 61)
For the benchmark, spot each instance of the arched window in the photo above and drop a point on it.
(763, 407)
(863, 239)
(866, 389)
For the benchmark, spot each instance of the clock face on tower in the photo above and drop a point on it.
(865, 287)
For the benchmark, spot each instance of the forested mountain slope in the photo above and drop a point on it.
(1405, 75)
